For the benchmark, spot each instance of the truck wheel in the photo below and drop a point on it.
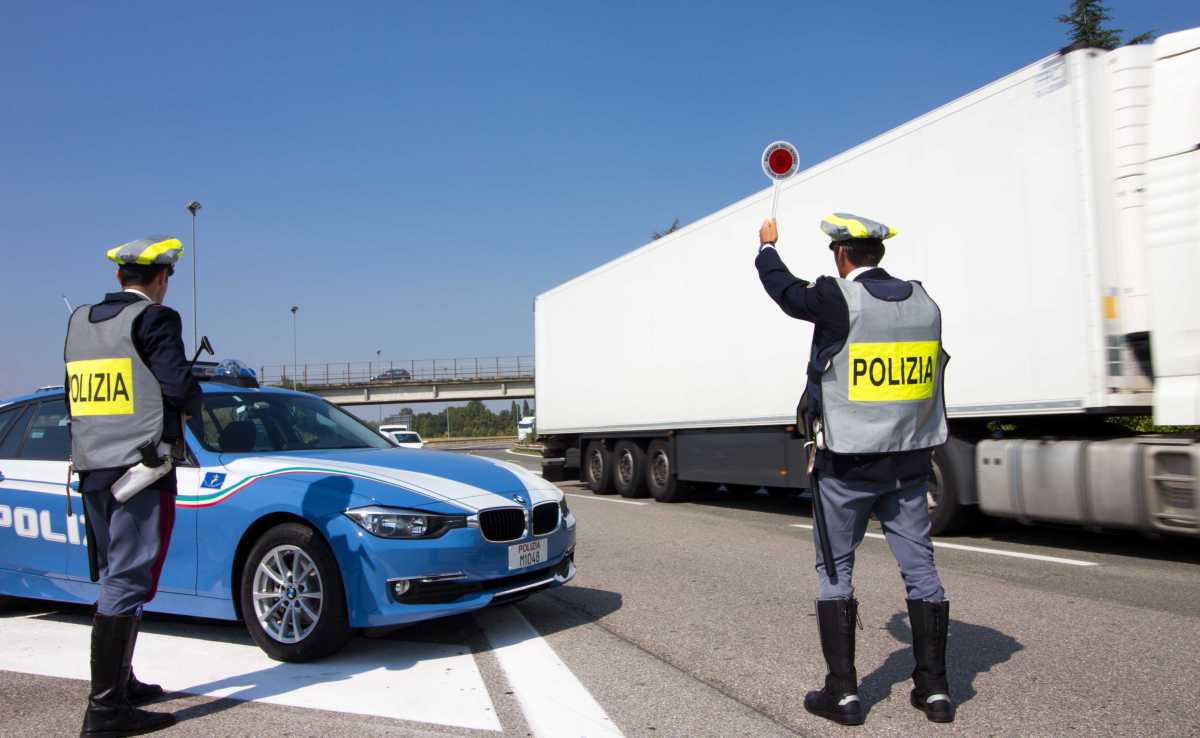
(947, 514)
(291, 595)
(629, 469)
(597, 468)
(660, 474)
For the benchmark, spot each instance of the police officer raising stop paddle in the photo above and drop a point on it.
(128, 385)
(874, 409)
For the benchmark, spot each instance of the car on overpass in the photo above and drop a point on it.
(296, 518)
(392, 375)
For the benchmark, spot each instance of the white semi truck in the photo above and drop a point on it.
(1053, 214)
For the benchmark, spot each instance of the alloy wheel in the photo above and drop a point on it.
(288, 595)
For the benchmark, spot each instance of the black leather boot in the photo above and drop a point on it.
(930, 623)
(109, 714)
(838, 699)
(138, 692)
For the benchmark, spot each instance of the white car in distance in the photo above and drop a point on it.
(404, 438)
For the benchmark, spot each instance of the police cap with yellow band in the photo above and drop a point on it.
(149, 251)
(847, 227)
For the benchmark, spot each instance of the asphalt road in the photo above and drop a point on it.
(696, 620)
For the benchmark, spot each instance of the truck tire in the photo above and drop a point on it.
(597, 468)
(952, 469)
(313, 621)
(660, 474)
(629, 469)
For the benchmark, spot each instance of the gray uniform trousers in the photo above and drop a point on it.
(131, 541)
(905, 519)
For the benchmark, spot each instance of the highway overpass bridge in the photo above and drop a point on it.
(408, 382)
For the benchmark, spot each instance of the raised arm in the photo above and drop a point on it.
(793, 295)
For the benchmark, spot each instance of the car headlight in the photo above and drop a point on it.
(391, 522)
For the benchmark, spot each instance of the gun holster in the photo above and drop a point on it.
(149, 454)
(806, 431)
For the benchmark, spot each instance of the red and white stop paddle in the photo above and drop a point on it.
(779, 162)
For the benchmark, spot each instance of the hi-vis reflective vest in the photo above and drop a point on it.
(116, 402)
(882, 392)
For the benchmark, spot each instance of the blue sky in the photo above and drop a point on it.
(413, 174)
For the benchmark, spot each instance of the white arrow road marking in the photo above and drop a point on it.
(555, 703)
(980, 549)
(420, 682)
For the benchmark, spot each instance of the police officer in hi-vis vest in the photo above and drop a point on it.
(873, 409)
(128, 387)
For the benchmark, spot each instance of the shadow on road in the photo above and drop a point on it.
(971, 650)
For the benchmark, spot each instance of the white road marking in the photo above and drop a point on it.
(552, 699)
(604, 499)
(420, 682)
(979, 549)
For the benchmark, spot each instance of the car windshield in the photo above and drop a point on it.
(233, 422)
(406, 437)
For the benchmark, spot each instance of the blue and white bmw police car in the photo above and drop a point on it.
(296, 518)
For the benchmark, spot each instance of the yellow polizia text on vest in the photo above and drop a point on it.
(100, 387)
(886, 372)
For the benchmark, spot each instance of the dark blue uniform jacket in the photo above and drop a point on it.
(822, 304)
(158, 338)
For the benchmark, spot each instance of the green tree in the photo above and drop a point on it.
(1086, 20)
(655, 235)
(472, 420)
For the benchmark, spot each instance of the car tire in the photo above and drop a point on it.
(293, 567)
(952, 467)
(597, 468)
(660, 474)
(629, 469)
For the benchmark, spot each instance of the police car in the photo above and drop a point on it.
(296, 518)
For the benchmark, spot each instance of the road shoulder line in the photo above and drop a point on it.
(981, 549)
(554, 701)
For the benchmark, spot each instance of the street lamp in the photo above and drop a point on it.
(295, 362)
(377, 353)
(193, 207)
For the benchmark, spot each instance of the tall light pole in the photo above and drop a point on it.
(377, 353)
(295, 361)
(193, 207)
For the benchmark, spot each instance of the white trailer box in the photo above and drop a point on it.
(1022, 208)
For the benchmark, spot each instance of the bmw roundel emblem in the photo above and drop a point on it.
(518, 499)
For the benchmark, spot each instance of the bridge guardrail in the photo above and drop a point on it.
(390, 372)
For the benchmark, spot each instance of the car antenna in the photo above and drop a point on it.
(67, 302)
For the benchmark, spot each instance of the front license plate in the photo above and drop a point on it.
(527, 554)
